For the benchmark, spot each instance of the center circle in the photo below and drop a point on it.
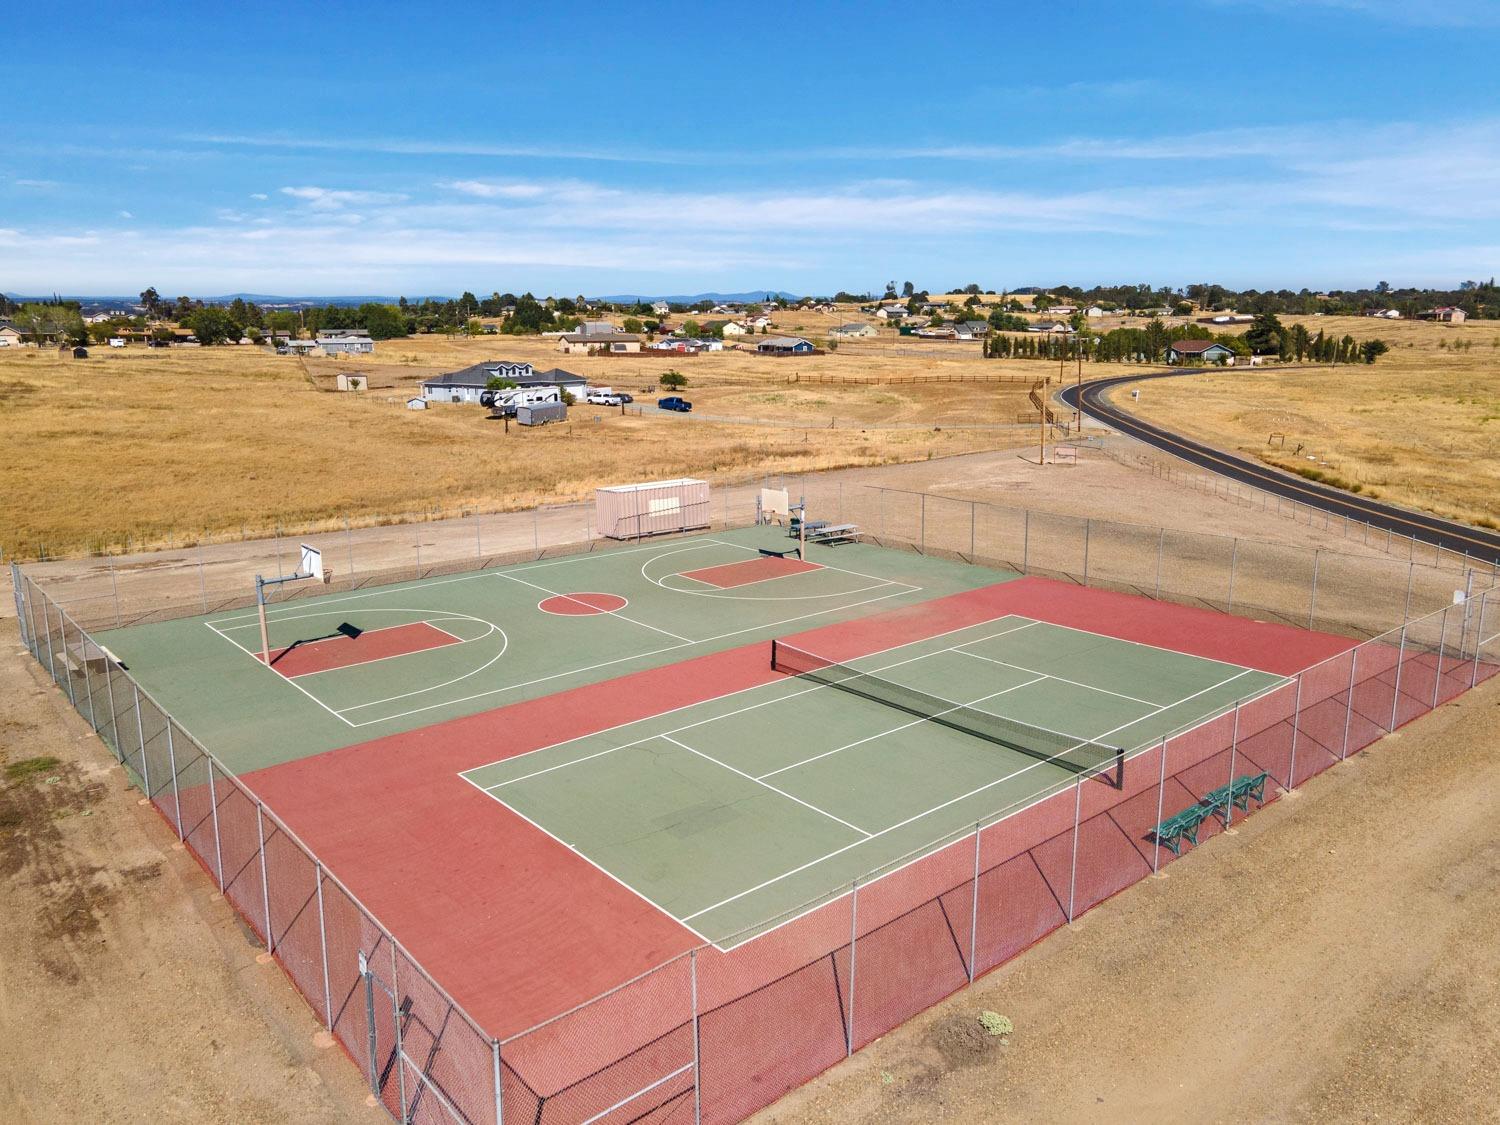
(580, 605)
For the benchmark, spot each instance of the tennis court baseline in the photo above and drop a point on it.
(747, 806)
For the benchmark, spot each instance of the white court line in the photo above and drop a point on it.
(1060, 679)
(904, 726)
(714, 718)
(621, 660)
(612, 612)
(945, 804)
(766, 785)
(602, 870)
(284, 679)
(421, 584)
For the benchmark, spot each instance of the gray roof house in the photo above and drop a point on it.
(785, 345)
(853, 330)
(1199, 351)
(345, 341)
(467, 385)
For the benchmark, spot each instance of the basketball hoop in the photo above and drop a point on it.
(310, 566)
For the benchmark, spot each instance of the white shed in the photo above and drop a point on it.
(416, 404)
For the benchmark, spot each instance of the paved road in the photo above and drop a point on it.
(1458, 537)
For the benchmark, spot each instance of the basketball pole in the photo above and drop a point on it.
(260, 607)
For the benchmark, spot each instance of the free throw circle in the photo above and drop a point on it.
(581, 605)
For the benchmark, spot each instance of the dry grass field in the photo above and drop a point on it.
(141, 447)
(1420, 427)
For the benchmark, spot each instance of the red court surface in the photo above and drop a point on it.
(372, 644)
(745, 573)
(517, 926)
(582, 605)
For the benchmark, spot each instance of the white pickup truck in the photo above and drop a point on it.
(603, 396)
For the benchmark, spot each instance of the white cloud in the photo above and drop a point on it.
(331, 199)
(483, 190)
(399, 146)
(1416, 13)
(260, 195)
(125, 215)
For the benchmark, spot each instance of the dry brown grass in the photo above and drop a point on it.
(143, 447)
(1421, 427)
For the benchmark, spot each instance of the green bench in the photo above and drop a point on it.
(1237, 794)
(1185, 823)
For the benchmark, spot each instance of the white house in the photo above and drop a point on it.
(660, 308)
(416, 404)
(10, 335)
(853, 331)
(735, 328)
(593, 343)
(891, 312)
(1199, 351)
(1050, 326)
(345, 341)
(1094, 311)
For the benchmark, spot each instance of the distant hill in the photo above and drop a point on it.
(694, 298)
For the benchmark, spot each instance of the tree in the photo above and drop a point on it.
(382, 322)
(51, 322)
(152, 300)
(1371, 350)
(673, 380)
(213, 325)
(1264, 336)
(907, 289)
(691, 328)
(632, 325)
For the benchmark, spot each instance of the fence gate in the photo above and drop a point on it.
(400, 1082)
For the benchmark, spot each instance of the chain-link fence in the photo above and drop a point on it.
(726, 1029)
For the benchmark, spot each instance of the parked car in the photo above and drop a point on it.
(672, 402)
(623, 397)
(604, 398)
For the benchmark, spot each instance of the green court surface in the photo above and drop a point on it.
(745, 807)
(490, 640)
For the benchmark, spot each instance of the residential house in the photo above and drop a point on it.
(891, 312)
(1447, 313)
(852, 331)
(1061, 310)
(735, 328)
(660, 308)
(616, 343)
(941, 332)
(345, 341)
(1227, 318)
(10, 335)
(469, 383)
(352, 382)
(1384, 314)
(785, 345)
(1199, 351)
(1095, 311)
(1061, 326)
(596, 328)
(972, 330)
(758, 322)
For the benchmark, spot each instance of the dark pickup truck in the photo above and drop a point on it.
(672, 402)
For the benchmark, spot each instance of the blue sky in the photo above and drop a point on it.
(369, 148)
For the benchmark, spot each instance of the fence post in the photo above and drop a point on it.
(140, 735)
(416, 538)
(202, 579)
(853, 935)
(1161, 793)
(400, 1048)
(1026, 541)
(114, 721)
(323, 944)
(1161, 538)
(974, 909)
(1234, 558)
(478, 542)
(536, 534)
(697, 1068)
(972, 554)
(1234, 746)
(1400, 660)
(1437, 677)
(265, 891)
(370, 1035)
(1077, 815)
(114, 585)
(499, 1096)
(1088, 526)
(349, 545)
(1312, 601)
(1411, 573)
(62, 633)
(88, 677)
(1349, 708)
(922, 525)
(47, 632)
(1478, 640)
(1291, 769)
(213, 802)
(172, 765)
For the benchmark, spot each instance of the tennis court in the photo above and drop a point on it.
(741, 808)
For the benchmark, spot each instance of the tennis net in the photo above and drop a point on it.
(1067, 751)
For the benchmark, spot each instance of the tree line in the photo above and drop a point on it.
(1267, 336)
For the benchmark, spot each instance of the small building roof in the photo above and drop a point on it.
(1194, 347)
(777, 342)
(599, 337)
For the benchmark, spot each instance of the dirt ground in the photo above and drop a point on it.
(1336, 976)
(1332, 960)
(129, 991)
